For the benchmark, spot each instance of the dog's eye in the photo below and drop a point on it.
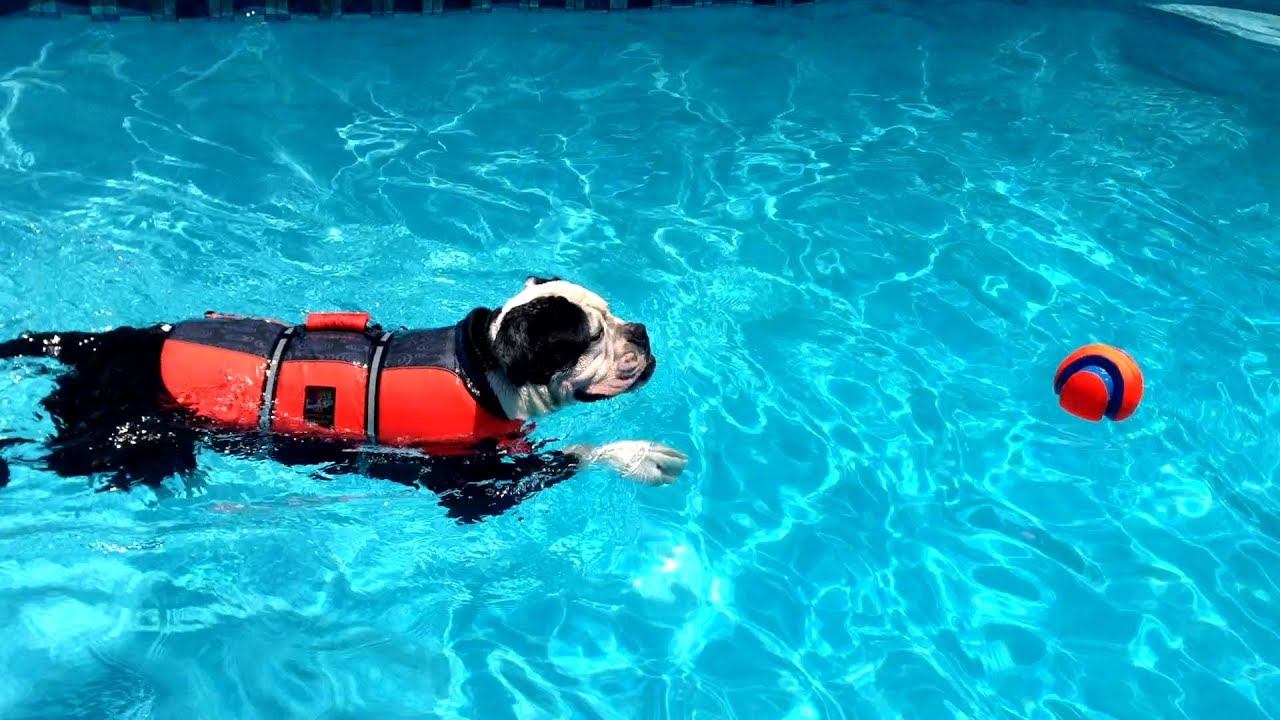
(597, 335)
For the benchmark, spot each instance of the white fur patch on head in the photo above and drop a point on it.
(611, 365)
(572, 292)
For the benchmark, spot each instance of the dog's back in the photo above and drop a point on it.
(107, 405)
(113, 417)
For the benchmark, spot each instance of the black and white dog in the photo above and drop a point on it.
(552, 345)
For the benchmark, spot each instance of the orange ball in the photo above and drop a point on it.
(1099, 381)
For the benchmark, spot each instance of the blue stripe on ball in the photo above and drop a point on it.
(1104, 368)
(1106, 379)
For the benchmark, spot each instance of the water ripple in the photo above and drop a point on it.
(863, 237)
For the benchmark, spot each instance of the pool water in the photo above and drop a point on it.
(863, 235)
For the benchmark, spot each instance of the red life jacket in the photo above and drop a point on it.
(339, 377)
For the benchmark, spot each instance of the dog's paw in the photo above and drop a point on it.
(644, 462)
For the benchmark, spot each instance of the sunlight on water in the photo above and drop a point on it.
(862, 239)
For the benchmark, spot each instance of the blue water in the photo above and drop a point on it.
(863, 235)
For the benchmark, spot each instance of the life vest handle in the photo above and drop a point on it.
(350, 321)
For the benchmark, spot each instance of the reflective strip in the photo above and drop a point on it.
(103, 10)
(39, 7)
(371, 402)
(273, 374)
(276, 10)
(221, 10)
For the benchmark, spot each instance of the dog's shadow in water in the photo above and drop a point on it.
(471, 487)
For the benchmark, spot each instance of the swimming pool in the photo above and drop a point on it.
(862, 238)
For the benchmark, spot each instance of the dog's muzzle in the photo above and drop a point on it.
(638, 336)
(651, 364)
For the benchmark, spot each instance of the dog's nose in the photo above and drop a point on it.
(637, 334)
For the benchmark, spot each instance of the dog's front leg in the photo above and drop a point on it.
(492, 484)
(645, 462)
(473, 488)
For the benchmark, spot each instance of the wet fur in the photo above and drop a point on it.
(552, 345)
(112, 420)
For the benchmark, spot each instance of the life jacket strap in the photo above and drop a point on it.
(268, 405)
(375, 376)
(327, 321)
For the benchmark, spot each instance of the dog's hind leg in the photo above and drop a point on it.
(108, 407)
(5, 474)
(146, 451)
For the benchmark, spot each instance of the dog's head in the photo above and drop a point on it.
(558, 343)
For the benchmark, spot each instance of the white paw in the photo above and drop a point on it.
(644, 462)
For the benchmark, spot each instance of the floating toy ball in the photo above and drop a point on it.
(1099, 381)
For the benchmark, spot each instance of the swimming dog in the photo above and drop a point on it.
(443, 408)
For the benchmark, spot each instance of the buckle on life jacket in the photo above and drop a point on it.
(350, 321)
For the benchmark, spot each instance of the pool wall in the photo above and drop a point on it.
(110, 10)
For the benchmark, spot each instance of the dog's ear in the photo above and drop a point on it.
(535, 280)
(540, 338)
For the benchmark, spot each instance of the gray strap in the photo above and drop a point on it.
(273, 374)
(375, 375)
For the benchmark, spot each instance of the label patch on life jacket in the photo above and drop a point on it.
(320, 406)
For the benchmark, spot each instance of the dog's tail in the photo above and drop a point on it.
(70, 348)
(35, 345)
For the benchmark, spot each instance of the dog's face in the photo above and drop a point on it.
(560, 340)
